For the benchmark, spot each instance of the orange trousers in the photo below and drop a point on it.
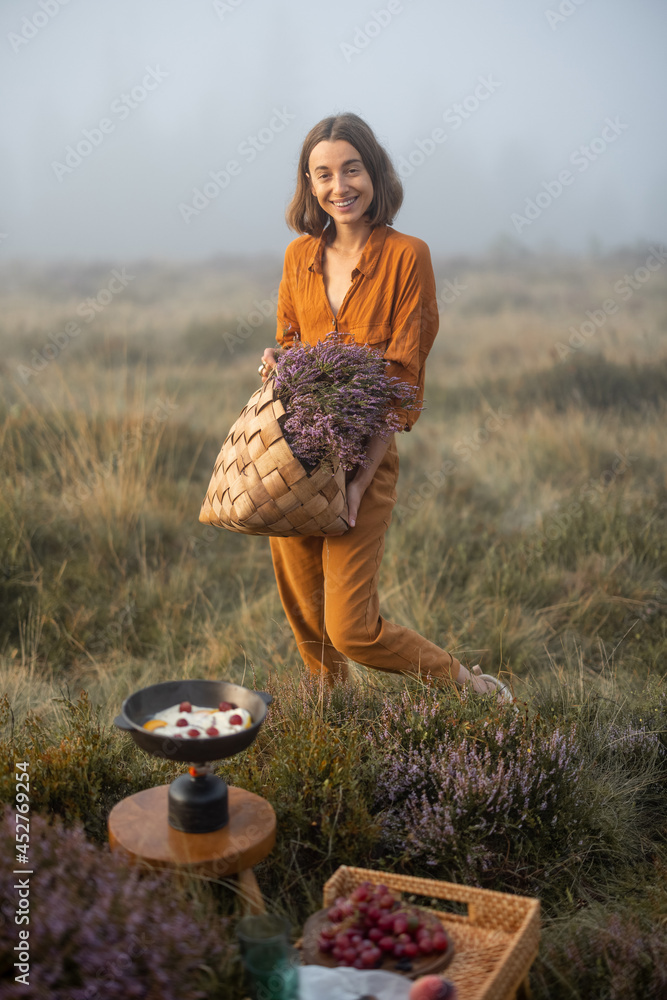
(329, 591)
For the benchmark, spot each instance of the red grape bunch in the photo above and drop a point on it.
(372, 925)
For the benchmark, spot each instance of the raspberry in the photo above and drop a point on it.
(182, 722)
(185, 706)
(226, 706)
(193, 733)
(212, 731)
(236, 720)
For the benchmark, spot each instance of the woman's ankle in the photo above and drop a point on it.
(460, 675)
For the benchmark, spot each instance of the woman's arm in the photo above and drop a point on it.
(414, 323)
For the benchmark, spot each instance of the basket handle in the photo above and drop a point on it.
(419, 886)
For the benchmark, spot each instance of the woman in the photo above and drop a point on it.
(350, 272)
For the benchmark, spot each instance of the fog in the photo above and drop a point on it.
(171, 129)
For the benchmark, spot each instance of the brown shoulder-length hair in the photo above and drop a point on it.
(305, 214)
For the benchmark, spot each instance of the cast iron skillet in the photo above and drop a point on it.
(145, 703)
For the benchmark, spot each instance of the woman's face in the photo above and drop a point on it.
(340, 182)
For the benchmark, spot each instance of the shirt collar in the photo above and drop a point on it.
(369, 255)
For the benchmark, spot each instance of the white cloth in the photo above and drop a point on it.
(316, 982)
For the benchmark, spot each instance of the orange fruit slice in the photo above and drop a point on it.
(154, 724)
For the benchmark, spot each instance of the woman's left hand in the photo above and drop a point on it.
(355, 492)
(359, 484)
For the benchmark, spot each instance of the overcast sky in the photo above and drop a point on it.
(171, 92)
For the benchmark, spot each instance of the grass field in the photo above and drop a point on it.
(529, 535)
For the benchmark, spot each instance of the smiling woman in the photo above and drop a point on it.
(352, 273)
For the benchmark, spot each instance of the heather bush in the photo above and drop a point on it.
(102, 931)
(477, 794)
(472, 809)
(530, 801)
(337, 395)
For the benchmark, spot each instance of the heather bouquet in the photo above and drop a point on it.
(337, 396)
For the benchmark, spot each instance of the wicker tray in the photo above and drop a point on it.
(494, 945)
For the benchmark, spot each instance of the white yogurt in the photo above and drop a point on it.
(193, 725)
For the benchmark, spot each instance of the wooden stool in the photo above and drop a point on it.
(138, 828)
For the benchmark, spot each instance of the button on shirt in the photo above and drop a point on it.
(390, 304)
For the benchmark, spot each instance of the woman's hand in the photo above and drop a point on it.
(355, 491)
(268, 362)
(356, 488)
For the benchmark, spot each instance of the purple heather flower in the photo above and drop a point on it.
(336, 396)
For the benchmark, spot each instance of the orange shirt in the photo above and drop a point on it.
(390, 304)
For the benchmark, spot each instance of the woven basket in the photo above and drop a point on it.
(258, 487)
(494, 945)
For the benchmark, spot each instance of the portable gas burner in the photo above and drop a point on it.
(197, 821)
